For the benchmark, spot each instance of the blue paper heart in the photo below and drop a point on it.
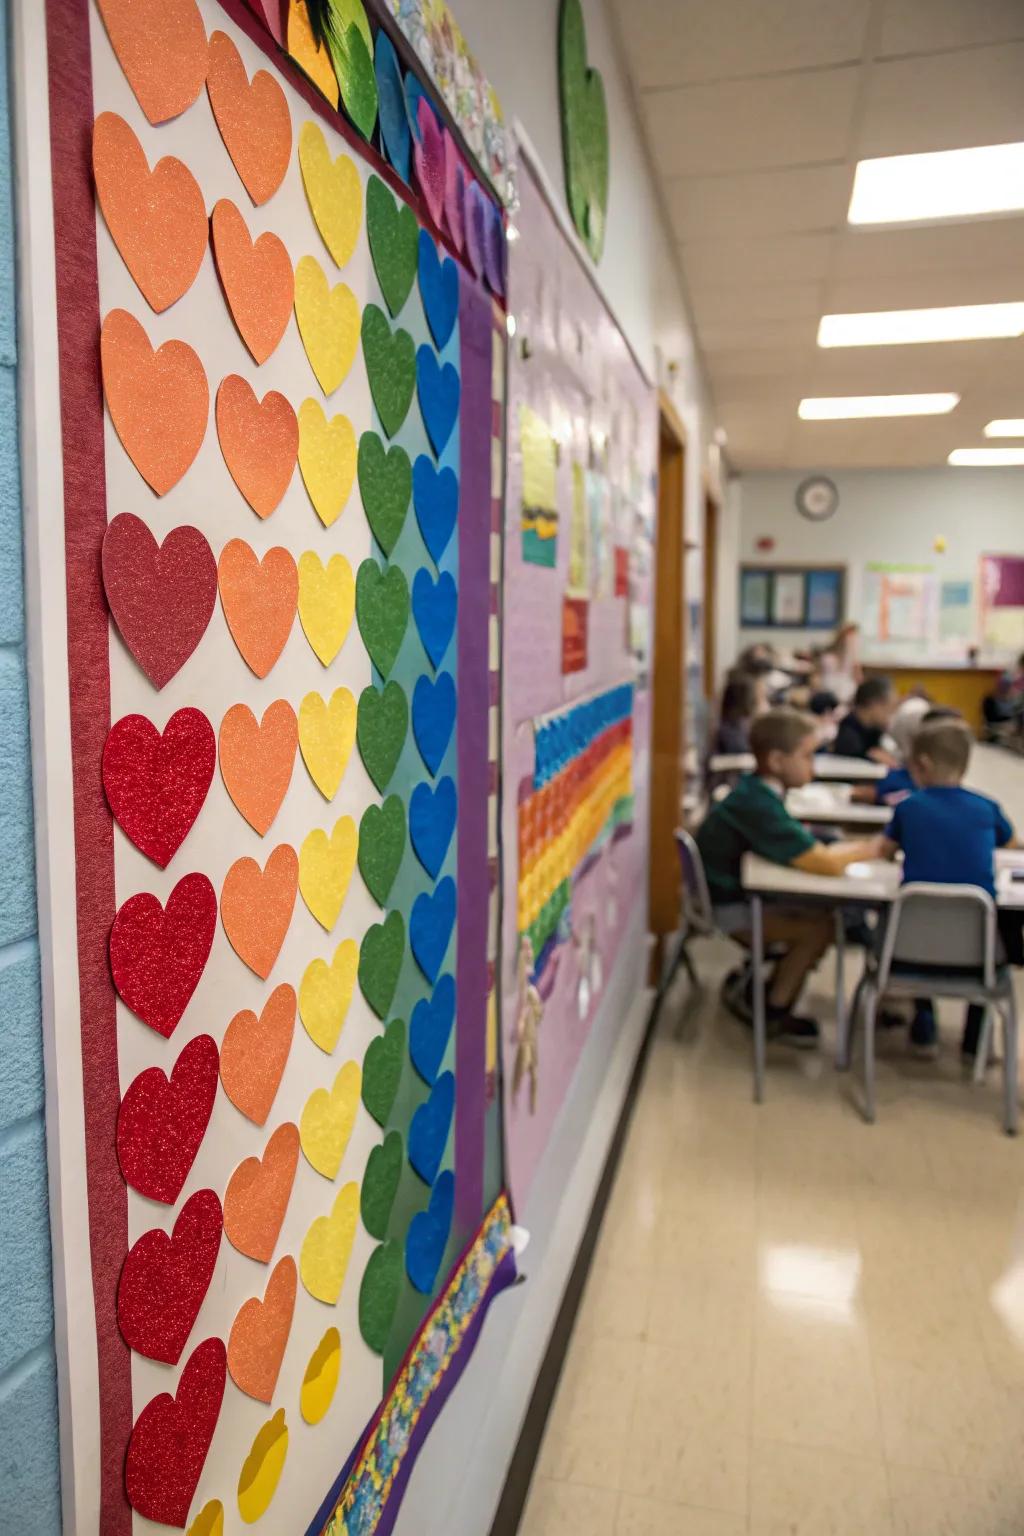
(438, 389)
(430, 1028)
(439, 290)
(432, 814)
(394, 125)
(435, 494)
(430, 927)
(429, 1127)
(427, 1236)
(434, 606)
(413, 92)
(433, 717)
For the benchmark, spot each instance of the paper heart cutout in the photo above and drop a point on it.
(494, 249)
(157, 954)
(327, 1246)
(433, 718)
(256, 760)
(156, 784)
(427, 1236)
(161, 595)
(256, 907)
(257, 279)
(393, 233)
(439, 290)
(432, 816)
(320, 1381)
(434, 607)
(262, 1468)
(326, 734)
(439, 391)
(259, 1333)
(259, 598)
(454, 191)
(253, 119)
(390, 368)
(325, 869)
(162, 1121)
(435, 494)
(259, 440)
(257, 1195)
(429, 1127)
(165, 1277)
(381, 846)
(430, 1029)
(310, 54)
(380, 1185)
(157, 218)
(385, 486)
(326, 603)
(414, 94)
(327, 460)
(161, 46)
(334, 191)
(382, 612)
(584, 129)
(328, 320)
(353, 65)
(171, 1438)
(325, 994)
(430, 928)
(159, 401)
(394, 125)
(254, 1052)
(209, 1521)
(382, 1071)
(378, 1295)
(474, 215)
(428, 158)
(380, 962)
(381, 727)
(327, 1121)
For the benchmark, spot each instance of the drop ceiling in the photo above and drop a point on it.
(756, 113)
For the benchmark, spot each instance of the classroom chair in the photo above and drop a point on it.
(941, 941)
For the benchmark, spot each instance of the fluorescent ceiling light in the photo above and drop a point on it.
(983, 457)
(901, 327)
(842, 407)
(953, 184)
(1007, 427)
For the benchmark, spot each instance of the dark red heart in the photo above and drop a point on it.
(162, 1121)
(161, 595)
(172, 1436)
(156, 785)
(158, 954)
(165, 1277)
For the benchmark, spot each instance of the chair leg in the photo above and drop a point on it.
(686, 961)
(842, 1012)
(870, 1010)
(844, 1057)
(760, 1025)
(1011, 1107)
(981, 1055)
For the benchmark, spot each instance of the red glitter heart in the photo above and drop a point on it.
(156, 784)
(165, 1278)
(172, 1436)
(428, 156)
(162, 1121)
(161, 595)
(158, 954)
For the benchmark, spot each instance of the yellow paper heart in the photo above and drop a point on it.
(262, 1468)
(327, 1245)
(327, 733)
(334, 190)
(327, 1121)
(327, 459)
(325, 993)
(327, 599)
(209, 1521)
(321, 1378)
(325, 869)
(328, 323)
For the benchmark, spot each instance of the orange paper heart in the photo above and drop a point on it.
(161, 46)
(257, 277)
(253, 119)
(157, 218)
(256, 759)
(259, 598)
(159, 401)
(259, 440)
(260, 1332)
(256, 907)
(254, 1052)
(257, 1195)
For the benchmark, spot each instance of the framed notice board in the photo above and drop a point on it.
(792, 596)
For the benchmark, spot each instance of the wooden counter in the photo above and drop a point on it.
(955, 686)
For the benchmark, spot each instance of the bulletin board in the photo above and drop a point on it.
(792, 597)
(266, 611)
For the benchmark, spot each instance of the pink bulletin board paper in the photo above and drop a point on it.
(571, 365)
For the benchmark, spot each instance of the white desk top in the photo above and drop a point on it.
(847, 770)
(874, 880)
(822, 803)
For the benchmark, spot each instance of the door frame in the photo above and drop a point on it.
(709, 615)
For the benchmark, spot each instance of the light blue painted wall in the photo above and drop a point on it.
(29, 1460)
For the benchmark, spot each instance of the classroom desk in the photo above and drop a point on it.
(843, 770)
(818, 803)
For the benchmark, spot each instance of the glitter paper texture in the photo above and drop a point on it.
(257, 279)
(161, 595)
(159, 401)
(258, 1193)
(162, 1121)
(156, 783)
(257, 758)
(256, 906)
(161, 46)
(259, 598)
(157, 954)
(259, 1334)
(171, 1438)
(254, 1052)
(259, 440)
(165, 1278)
(253, 119)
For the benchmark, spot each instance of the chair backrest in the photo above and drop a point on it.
(698, 916)
(942, 925)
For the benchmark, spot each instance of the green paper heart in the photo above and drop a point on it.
(353, 65)
(378, 1294)
(385, 485)
(381, 846)
(584, 129)
(382, 1071)
(390, 368)
(394, 243)
(380, 1185)
(380, 960)
(382, 722)
(382, 612)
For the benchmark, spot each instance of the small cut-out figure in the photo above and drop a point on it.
(527, 1029)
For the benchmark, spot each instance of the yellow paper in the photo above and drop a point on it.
(328, 321)
(327, 459)
(334, 190)
(579, 542)
(312, 57)
(327, 1121)
(539, 459)
(327, 1245)
(325, 869)
(262, 1468)
(321, 1378)
(325, 993)
(327, 733)
(209, 1521)
(327, 600)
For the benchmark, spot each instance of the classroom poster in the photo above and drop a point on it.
(1001, 600)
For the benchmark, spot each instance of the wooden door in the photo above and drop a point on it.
(710, 613)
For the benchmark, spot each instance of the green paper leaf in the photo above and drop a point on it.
(382, 722)
(380, 1185)
(382, 1071)
(385, 485)
(390, 367)
(584, 129)
(353, 65)
(394, 243)
(382, 612)
(351, 13)
(378, 1294)
(381, 846)
(380, 961)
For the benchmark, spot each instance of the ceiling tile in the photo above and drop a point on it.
(925, 26)
(782, 258)
(771, 335)
(924, 290)
(942, 248)
(754, 302)
(773, 202)
(945, 101)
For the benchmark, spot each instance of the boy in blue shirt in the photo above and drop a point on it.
(898, 782)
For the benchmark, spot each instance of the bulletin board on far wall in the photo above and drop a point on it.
(792, 596)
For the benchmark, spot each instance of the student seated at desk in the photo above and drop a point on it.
(899, 782)
(860, 732)
(753, 818)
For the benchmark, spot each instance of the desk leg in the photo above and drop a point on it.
(760, 1028)
(842, 1017)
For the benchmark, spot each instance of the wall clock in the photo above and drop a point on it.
(817, 498)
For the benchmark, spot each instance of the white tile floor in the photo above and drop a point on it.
(797, 1324)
